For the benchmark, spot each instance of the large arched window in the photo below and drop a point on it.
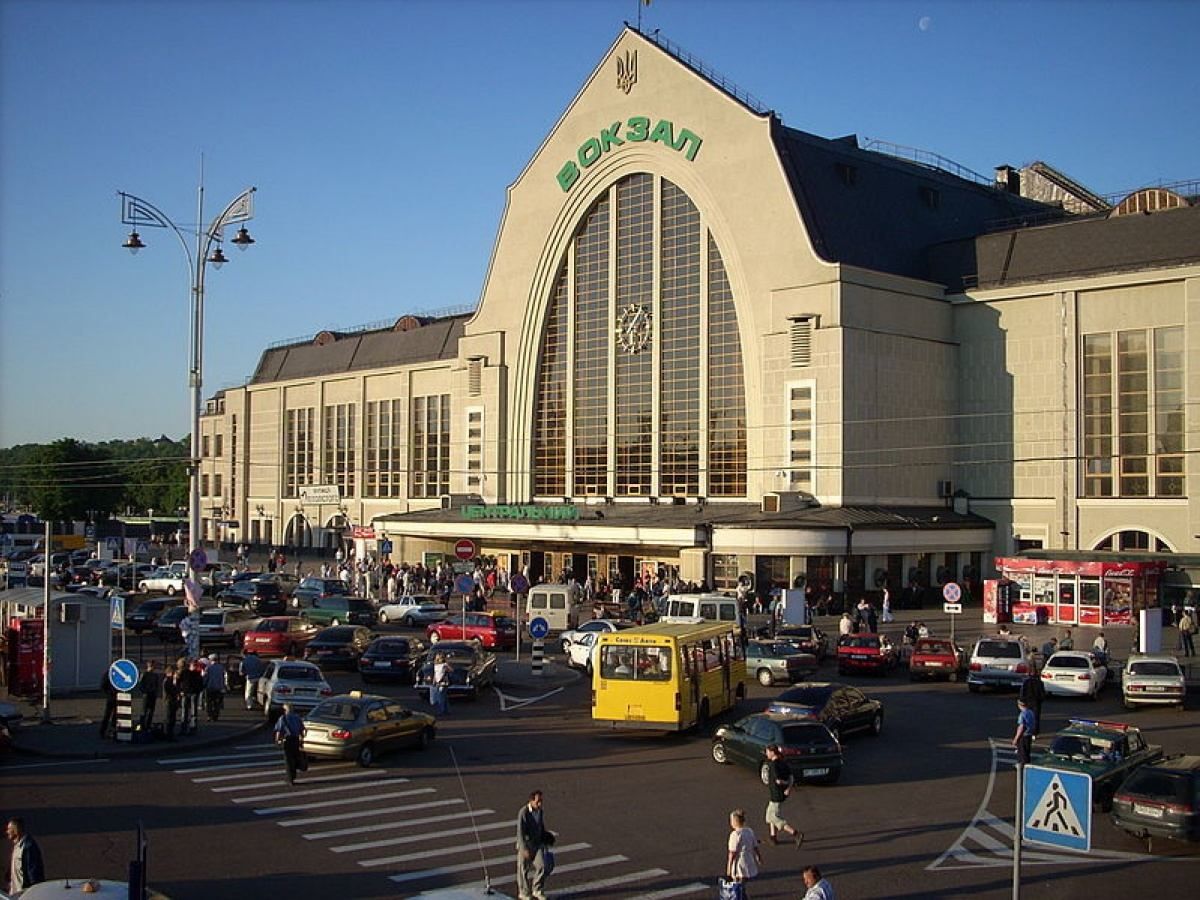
(640, 388)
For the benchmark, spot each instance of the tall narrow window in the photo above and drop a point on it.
(1133, 412)
(550, 441)
(726, 394)
(634, 361)
(593, 336)
(338, 460)
(299, 450)
(474, 454)
(799, 408)
(1097, 416)
(384, 448)
(679, 420)
(1169, 415)
(431, 446)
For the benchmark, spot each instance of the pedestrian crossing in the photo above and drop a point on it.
(413, 834)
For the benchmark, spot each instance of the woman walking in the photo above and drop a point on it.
(744, 856)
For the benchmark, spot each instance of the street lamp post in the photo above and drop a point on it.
(137, 212)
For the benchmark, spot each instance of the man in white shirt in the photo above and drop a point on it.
(818, 887)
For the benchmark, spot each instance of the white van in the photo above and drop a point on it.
(558, 604)
(701, 608)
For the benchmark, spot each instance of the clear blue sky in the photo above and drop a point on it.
(323, 106)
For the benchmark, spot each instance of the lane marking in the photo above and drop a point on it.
(249, 765)
(440, 851)
(254, 787)
(385, 826)
(509, 702)
(341, 817)
(211, 778)
(320, 790)
(325, 804)
(414, 838)
(73, 762)
(467, 867)
(609, 882)
(692, 888)
(262, 751)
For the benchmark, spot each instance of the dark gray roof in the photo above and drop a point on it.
(730, 515)
(873, 210)
(435, 340)
(1073, 247)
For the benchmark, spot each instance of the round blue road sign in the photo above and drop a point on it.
(123, 675)
(538, 628)
(464, 584)
(519, 583)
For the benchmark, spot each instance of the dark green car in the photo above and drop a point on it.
(809, 748)
(1107, 751)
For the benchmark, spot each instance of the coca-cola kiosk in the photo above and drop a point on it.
(1079, 592)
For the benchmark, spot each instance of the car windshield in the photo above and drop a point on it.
(151, 606)
(623, 663)
(1000, 649)
(1067, 662)
(390, 646)
(813, 698)
(335, 635)
(174, 614)
(212, 618)
(504, 622)
(1162, 669)
(299, 673)
(1080, 746)
(336, 711)
(268, 625)
(805, 735)
(861, 640)
(456, 655)
(1159, 784)
(934, 647)
(796, 631)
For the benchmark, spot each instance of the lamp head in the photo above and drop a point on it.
(242, 239)
(133, 243)
(217, 258)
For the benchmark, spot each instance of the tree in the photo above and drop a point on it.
(69, 480)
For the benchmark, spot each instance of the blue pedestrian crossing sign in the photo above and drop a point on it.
(1057, 808)
(538, 628)
(123, 675)
(117, 617)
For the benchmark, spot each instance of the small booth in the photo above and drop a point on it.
(1088, 592)
(80, 640)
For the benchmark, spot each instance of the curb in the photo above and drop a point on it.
(132, 752)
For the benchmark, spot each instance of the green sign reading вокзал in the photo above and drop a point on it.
(635, 130)
(565, 512)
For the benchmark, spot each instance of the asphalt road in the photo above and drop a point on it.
(924, 810)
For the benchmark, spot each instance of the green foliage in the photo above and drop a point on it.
(69, 479)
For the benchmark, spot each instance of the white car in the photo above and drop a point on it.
(413, 610)
(291, 681)
(594, 625)
(582, 651)
(1073, 673)
(167, 579)
(1153, 679)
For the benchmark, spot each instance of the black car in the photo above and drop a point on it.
(166, 626)
(808, 638)
(471, 668)
(146, 615)
(840, 707)
(1161, 799)
(340, 646)
(264, 598)
(390, 658)
(310, 589)
(809, 748)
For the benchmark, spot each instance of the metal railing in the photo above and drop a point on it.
(925, 158)
(700, 66)
(378, 325)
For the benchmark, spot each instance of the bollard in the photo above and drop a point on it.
(537, 656)
(124, 717)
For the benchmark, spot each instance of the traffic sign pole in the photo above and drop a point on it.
(1019, 830)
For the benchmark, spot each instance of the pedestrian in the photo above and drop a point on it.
(150, 687)
(1032, 692)
(888, 618)
(192, 685)
(1049, 648)
(214, 687)
(533, 840)
(173, 692)
(1187, 628)
(25, 869)
(1067, 642)
(871, 619)
(289, 732)
(845, 625)
(439, 686)
(818, 888)
(1023, 739)
(744, 856)
(780, 782)
(110, 706)
(252, 669)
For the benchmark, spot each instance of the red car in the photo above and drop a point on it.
(491, 630)
(280, 636)
(866, 652)
(935, 658)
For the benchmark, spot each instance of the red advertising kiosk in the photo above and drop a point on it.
(1087, 592)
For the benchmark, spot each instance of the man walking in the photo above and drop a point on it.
(289, 731)
(531, 845)
(25, 869)
(110, 705)
(1187, 628)
(214, 687)
(150, 687)
(780, 783)
(192, 685)
(173, 692)
(1032, 693)
(252, 669)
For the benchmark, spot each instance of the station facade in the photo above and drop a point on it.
(711, 342)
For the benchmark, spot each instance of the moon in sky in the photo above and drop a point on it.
(925, 23)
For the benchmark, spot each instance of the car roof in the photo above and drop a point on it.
(1099, 729)
(1072, 654)
(452, 645)
(1151, 657)
(354, 696)
(1187, 762)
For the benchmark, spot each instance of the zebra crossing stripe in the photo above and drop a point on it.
(342, 817)
(683, 889)
(325, 804)
(264, 751)
(414, 838)
(609, 882)
(570, 867)
(301, 791)
(471, 866)
(470, 847)
(324, 779)
(383, 826)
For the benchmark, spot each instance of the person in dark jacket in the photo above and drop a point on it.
(191, 682)
(1032, 693)
(150, 687)
(26, 868)
(173, 691)
(110, 706)
(532, 841)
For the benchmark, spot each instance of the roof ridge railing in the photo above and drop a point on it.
(926, 158)
(444, 312)
(1188, 188)
(694, 62)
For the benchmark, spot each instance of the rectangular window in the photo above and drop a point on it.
(204, 486)
(299, 450)
(799, 459)
(217, 485)
(474, 455)
(430, 453)
(204, 445)
(338, 459)
(725, 571)
(384, 447)
(593, 337)
(1133, 419)
(219, 448)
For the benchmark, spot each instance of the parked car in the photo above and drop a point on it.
(280, 636)
(809, 748)
(77, 577)
(841, 708)
(1153, 679)
(1161, 799)
(147, 613)
(225, 626)
(772, 661)
(414, 610)
(390, 658)
(338, 647)
(1107, 752)
(491, 630)
(310, 589)
(997, 662)
(291, 681)
(1073, 673)
(581, 654)
(263, 597)
(163, 580)
(471, 668)
(361, 726)
(214, 576)
(166, 626)
(866, 652)
(936, 658)
(808, 638)
(338, 609)
(592, 625)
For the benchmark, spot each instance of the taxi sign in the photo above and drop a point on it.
(953, 609)
(951, 592)
(123, 675)
(538, 628)
(1057, 808)
(116, 617)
